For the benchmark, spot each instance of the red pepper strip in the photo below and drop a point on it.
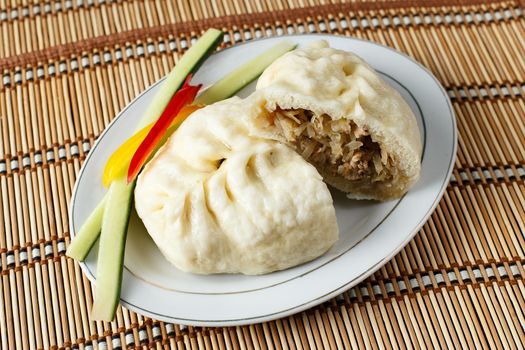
(184, 96)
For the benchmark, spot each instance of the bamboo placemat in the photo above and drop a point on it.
(69, 66)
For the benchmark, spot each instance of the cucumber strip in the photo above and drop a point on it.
(111, 250)
(87, 235)
(244, 75)
(189, 63)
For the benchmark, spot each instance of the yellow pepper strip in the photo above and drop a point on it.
(118, 164)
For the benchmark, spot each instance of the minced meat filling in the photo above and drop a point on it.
(337, 146)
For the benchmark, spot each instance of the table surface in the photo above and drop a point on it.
(68, 67)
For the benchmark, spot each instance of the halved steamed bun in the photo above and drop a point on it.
(216, 199)
(337, 112)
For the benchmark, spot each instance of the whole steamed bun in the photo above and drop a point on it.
(216, 199)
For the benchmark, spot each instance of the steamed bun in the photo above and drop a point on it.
(342, 117)
(217, 199)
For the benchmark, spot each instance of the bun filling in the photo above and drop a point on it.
(338, 147)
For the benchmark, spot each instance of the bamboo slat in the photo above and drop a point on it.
(67, 68)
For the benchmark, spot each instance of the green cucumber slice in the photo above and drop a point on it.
(111, 250)
(189, 63)
(87, 235)
(244, 75)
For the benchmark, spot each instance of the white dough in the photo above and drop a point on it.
(216, 199)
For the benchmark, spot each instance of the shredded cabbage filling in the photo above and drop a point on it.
(339, 147)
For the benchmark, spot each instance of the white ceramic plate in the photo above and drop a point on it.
(371, 232)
